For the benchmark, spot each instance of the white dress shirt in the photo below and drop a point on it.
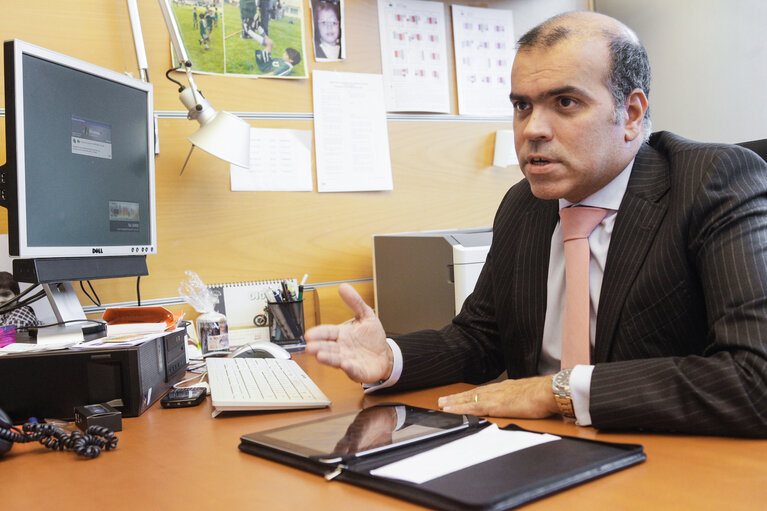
(609, 198)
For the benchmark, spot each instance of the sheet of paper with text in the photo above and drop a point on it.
(414, 55)
(280, 160)
(484, 52)
(350, 132)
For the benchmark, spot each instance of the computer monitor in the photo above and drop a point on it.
(79, 178)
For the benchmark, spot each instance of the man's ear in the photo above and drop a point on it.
(636, 106)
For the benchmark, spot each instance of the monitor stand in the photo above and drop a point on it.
(56, 275)
(66, 306)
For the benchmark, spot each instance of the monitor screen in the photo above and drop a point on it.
(79, 177)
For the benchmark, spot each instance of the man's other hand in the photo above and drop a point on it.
(527, 398)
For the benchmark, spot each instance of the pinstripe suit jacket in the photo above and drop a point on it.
(681, 339)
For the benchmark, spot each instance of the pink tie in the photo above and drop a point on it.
(577, 224)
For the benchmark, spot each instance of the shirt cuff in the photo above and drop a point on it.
(580, 392)
(395, 372)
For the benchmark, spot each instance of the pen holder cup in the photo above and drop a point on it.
(286, 322)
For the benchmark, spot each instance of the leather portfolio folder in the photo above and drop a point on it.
(502, 482)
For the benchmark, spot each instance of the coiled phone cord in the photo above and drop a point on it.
(88, 444)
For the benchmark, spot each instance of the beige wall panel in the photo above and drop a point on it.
(441, 176)
(442, 170)
(442, 180)
(333, 310)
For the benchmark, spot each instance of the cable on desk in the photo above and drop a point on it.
(196, 377)
(88, 444)
(49, 325)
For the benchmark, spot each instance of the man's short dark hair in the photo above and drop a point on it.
(629, 64)
(629, 70)
(294, 56)
(537, 37)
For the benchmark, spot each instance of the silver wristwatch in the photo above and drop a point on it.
(560, 385)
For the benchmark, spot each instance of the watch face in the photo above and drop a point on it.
(562, 378)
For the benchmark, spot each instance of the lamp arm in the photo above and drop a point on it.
(198, 106)
(221, 134)
(138, 40)
(198, 99)
(175, 36)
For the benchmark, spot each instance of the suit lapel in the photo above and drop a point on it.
(640, 214)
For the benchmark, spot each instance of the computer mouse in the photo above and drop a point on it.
(261, 349)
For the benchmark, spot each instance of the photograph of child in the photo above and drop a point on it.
(329, 43)
(21, 316)
(32, 311)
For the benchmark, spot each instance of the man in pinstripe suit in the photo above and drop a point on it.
(678, 265)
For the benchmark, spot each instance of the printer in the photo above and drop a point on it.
(422, 278)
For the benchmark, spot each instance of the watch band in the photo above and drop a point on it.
(560, 385)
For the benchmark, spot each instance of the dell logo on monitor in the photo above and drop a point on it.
(98, 251)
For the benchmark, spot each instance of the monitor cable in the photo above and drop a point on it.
(96, 301)
(101, 324)
(16, 301)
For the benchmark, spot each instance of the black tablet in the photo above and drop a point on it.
(341, 437)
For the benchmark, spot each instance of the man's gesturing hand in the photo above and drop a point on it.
(358, 347)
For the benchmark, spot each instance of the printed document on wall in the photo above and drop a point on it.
(414, 55)
(350, 132)
(484, 51)
(280, 160)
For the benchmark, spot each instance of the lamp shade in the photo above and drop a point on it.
(226, 137)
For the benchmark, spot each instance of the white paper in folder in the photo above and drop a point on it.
(489, 443)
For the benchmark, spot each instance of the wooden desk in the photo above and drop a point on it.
(184, 459)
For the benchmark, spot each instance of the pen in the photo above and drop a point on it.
(303, 280)
(285, 291)
(300, 292)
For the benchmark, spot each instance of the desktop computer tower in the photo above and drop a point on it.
(51, 384)
(422, 278)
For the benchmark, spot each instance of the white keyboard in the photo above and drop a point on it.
(261, 384)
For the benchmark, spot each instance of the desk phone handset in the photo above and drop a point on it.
(88, 444)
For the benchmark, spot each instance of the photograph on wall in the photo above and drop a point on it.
(328, 30)
(36, 312)
(255, 38)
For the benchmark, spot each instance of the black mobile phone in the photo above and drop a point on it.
(182, 397)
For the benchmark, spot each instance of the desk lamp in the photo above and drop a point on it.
(221, 134)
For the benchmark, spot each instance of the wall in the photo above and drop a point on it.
(442, 165)
(709, 63)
